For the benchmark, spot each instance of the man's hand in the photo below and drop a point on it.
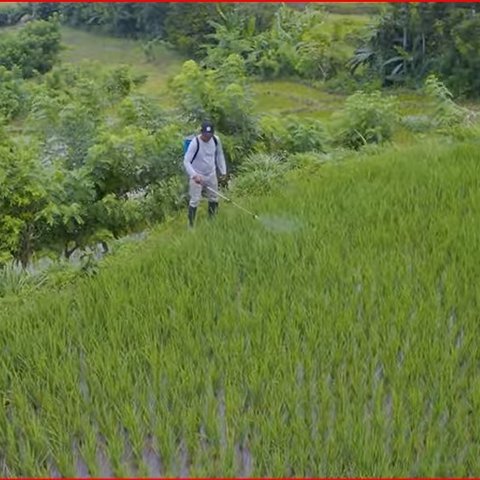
(197, 179)
(223, 180)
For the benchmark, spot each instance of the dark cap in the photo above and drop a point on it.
(207, 127)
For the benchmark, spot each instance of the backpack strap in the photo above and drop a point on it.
(196, 151)
(215, 139)
(198, 147)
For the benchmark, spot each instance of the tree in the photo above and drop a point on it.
(413, 40)
(222, 95)
(13, 93)
(187, 25)
(23, 201)
(69, 222)
(35, 48)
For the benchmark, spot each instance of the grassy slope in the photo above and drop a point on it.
(287, 97)
(280, 97)
(335, 336)
(276, 97)
(81, 46)
(356, 288)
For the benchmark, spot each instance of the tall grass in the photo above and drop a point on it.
(344, 345)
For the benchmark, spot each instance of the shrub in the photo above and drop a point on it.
(221, 95)
(273, 134)
(366, 118)
(259, 173)
(447, 112)
(35, 48)
(417, 123)
(13, 94)
(163, 198)
(291, 134)
(307, 135)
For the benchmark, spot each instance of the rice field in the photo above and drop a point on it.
(281, 97)
(334, 336)
(82, 46)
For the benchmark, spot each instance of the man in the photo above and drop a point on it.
(202, 159)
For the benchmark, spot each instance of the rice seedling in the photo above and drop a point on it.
(343, 345)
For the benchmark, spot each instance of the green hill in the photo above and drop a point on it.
(87, 46)
(334, 336)
(279, 97)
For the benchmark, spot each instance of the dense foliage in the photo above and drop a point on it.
(403, 43)
(93, 159)
(34, 49)
(92, 150)
(412, 41)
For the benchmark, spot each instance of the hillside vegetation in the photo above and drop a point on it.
(331, 334)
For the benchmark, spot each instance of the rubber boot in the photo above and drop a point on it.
(192, 211)
(212, 209)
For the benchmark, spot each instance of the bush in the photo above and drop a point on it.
(119, 82)
(307, 135)
(35, 48)
(296, 41)
(62, 273)
(417, 123)
(291, 134)
(139, 110)
(13, 94)
(220, 95)
(273, 134)
(259, 173)
(447, 113)
(131, 159)
(163, 198)
(236, 148)
(366, 118)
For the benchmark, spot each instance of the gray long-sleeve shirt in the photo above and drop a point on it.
(209, 157)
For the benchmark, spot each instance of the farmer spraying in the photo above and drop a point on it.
(203, 157)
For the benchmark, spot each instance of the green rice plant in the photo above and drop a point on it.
(14, 280)
(88, 449)
(333, 336)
